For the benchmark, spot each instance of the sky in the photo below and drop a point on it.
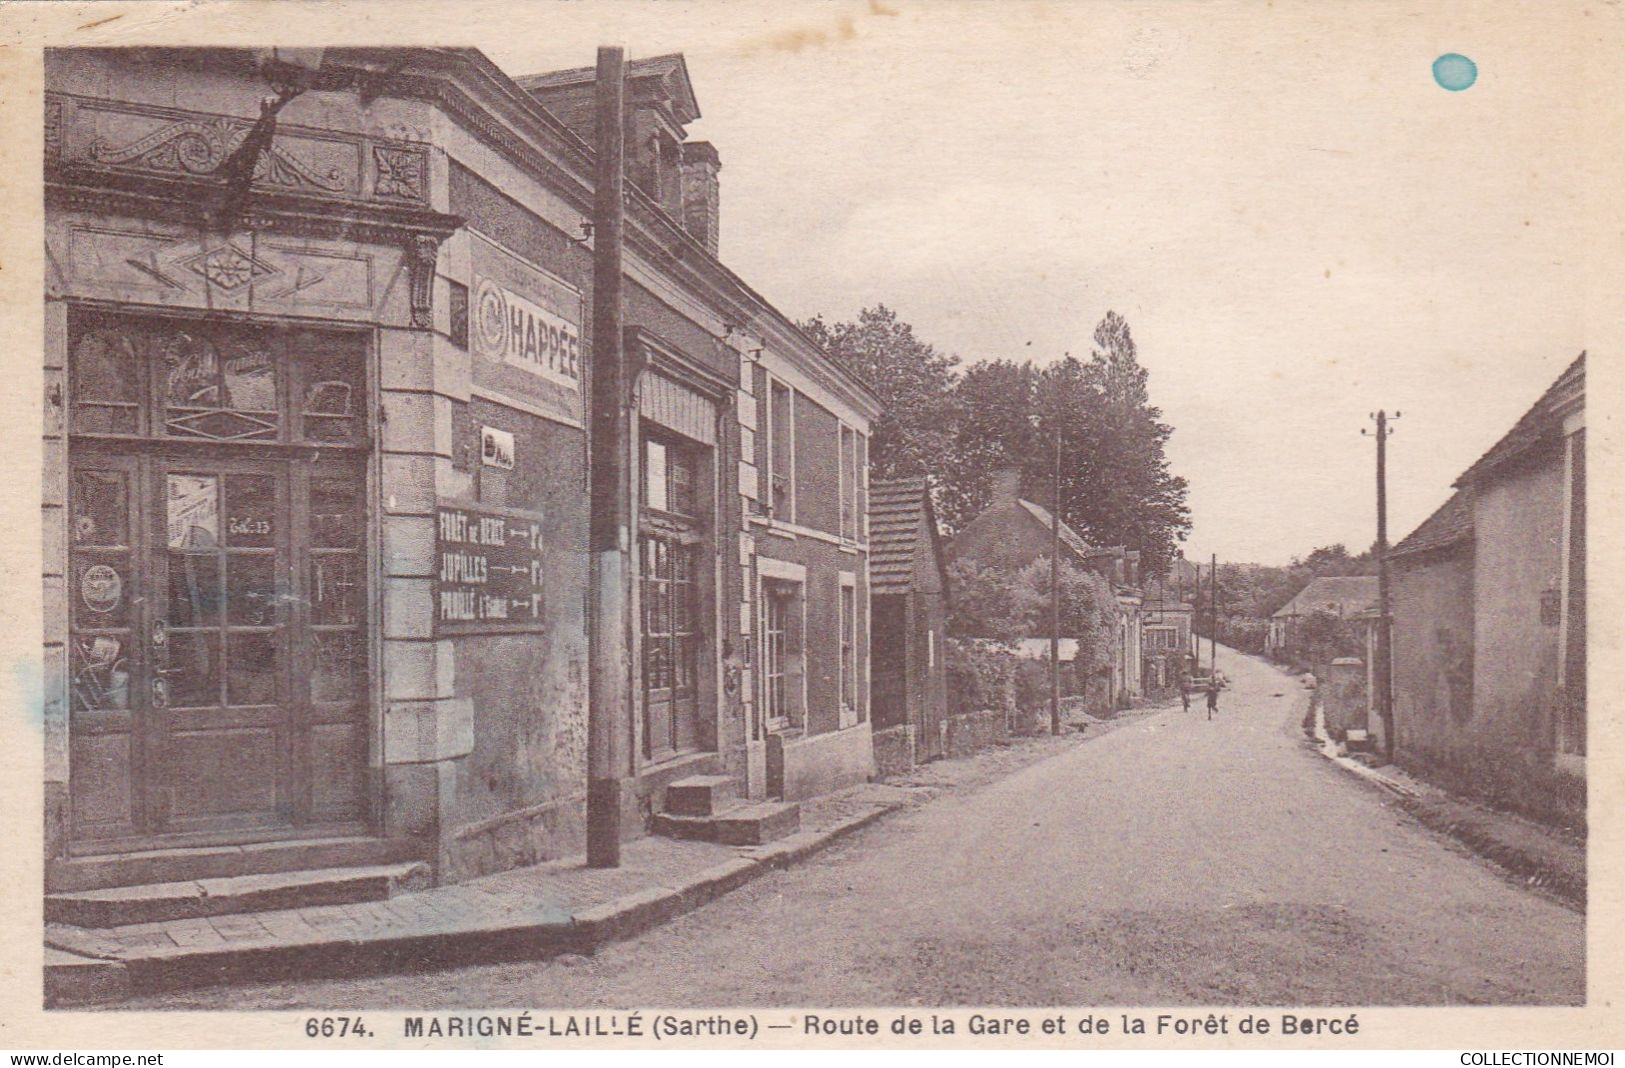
(1299, 224)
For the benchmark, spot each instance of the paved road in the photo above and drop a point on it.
(1172, 861)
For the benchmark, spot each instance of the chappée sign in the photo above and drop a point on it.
(525, 327)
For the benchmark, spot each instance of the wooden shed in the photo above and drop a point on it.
(908, 604)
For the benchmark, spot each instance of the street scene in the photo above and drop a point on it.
(513, 538)
(1184, 861)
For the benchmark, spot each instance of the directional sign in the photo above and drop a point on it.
(488, 570)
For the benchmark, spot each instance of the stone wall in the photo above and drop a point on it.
(969, 732)
(1343, 697)
(894, 750)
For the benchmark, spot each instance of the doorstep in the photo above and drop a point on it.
(525, 914)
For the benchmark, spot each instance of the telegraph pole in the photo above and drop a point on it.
(1385, 652)
(1196, 618)
(1055, 590)
(609, 671)
(1213, 621)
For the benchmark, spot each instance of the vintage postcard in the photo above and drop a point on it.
(812, 524)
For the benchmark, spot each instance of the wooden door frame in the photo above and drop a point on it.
(145, 453)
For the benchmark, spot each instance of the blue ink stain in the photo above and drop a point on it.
(29, 678)
(1455, 72)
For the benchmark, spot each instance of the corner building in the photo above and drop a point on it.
(315, 496)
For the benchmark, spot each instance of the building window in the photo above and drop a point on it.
(669, 476)
(849, 646)
(781, 653)
(849, 484)
(781, 432)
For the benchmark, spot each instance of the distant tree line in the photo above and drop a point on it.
(959, 426)
(1249, 594)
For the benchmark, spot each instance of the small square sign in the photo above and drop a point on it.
(496, 448)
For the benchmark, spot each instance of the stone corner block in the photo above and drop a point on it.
(418, 732)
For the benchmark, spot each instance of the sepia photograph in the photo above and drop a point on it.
(767, 511)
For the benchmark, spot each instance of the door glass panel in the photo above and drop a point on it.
(253, 664)
(193, 511)
(331, 366)
(191, 372)
(338, 666)
(250, 511)
(102, 590)
(207, 394)
(106, 377)
(251, 590)
(334, 589)
(101, 673)
(193, 675)
(194, 589)
(335, 521)
(248, 374)
(101, 509)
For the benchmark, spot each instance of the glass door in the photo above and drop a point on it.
(217, 642)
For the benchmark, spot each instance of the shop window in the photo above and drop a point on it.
(670, 477)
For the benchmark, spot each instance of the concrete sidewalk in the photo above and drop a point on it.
(1537, 855)
(524, 914)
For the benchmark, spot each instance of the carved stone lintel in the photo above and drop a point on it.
(421, 254)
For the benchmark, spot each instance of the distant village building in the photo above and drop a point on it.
(1012, 532)
(1166, 618)
(908, 598)
(1347, 597)
(315, 495)
(1489, 619)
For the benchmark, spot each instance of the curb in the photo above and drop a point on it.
(1525, 867)
(73, 978)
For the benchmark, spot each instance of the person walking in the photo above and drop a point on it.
(1212, 698)
(1185, 694)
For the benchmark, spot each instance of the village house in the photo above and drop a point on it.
(1166, 619)
(1012, 532)
(315, 494)
(908, 597)
(1489, 620)
(1348, 598)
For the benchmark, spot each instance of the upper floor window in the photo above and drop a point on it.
(849, 484)
(781, 465)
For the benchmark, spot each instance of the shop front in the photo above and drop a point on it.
(217, 637)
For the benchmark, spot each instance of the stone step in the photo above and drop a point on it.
(754, 824)
(701, 795)
(213, 862)
(121, 905)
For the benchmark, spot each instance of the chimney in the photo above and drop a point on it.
(1006, 485)
(700, 193)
